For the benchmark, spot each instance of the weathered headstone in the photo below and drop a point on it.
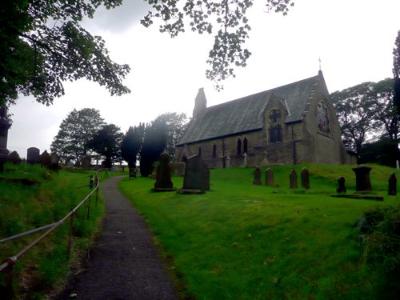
(363, 182)
(132, 172)
(341, 185)
(163, 175)
(293, 179)
(197, 176)
(178, 168)
(86, 162)
(305, 179)
(32, 155)
(257, 176)
(245, 160)
(269, 177)
(54, 161)
(14, 158)
(45, 159)
(228, 161)
(392, 190)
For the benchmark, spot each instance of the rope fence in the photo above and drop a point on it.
(7, 265)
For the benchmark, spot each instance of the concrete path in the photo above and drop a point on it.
(123, 263)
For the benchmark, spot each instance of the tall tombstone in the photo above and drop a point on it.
(245, 160)
(392, 189)
(5, 124)
(305, 178)
(197, 176)
(269, 177)
(54, 161)
(363, 181)
(257, 176)
(45, 159)
(14, 158)
(163, 175)
(32, 155)
(293, 179)
(341, 185)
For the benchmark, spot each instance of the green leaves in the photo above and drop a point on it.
(226, 19)
(43, 45)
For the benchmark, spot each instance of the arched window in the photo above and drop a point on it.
(199, 152)
(275, 129)
(245, 145)
(214, 152)
(239, 147)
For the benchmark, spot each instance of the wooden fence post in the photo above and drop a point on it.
(71, 232)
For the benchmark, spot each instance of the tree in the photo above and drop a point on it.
(366, 111)
(396, 73)
(355, 110)
(226, 19)
(154, 143)
(76, 130)
(42, 45)
(107, 142)
(131, 144)
(176, 126)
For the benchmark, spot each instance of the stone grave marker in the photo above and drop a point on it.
(269, 177)
(132, 172)
(257, 176)
(293, 179)
(341, 185)
(14, 158)
(305, 178)
(197, 176)
(245, 160)
(45, 159)
(32, 155)
(392, 190)
(86, 162)
(363, 182)
(54, 162)
(163, 175)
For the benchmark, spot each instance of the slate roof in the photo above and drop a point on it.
(246, 114)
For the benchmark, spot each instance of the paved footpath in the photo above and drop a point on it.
(123, 263)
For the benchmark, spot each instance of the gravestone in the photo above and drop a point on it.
(54, 162)
(197, 176)
(245, 160)
(32, 155)
(341, 185)
(163, 175)
(257, 176)
(132, 172)
(178, 168)
(293, 179)
(305, 179)
(363, 182)
(45, 159)
(228, 161)
(14, 158)
(392, 190)
(269, 177)
(86, 162)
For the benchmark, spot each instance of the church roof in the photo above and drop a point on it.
(246, 114)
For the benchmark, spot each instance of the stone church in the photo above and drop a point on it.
(290, 124)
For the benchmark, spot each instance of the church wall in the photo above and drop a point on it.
(323, 137)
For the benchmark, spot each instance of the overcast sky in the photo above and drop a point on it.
(353, 38)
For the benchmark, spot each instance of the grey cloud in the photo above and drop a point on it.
(129, 13)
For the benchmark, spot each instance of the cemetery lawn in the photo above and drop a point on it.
(30, 197)
(240, 241)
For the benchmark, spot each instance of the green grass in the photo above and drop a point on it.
(241, 241)
(24, 207)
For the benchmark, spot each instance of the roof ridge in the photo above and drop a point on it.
(261, 92)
